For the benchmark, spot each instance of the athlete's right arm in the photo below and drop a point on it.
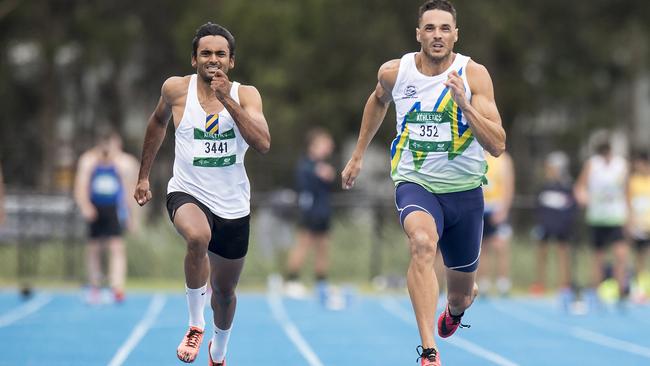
(373, 115)
(82, 186)
(580, 188)
(154, 136)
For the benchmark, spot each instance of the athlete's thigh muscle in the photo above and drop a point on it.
(191, 218)
(191, 222)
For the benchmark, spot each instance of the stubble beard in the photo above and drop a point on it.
(205, 77)
(437, 59)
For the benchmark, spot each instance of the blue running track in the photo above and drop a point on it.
(58, 328)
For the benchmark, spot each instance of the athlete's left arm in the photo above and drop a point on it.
(630, 222)
(508, 184)
(247, 114)
(128, 167)
(482, 112)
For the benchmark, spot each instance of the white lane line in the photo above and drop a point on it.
(574, 331)
(24, 310)
(280, 314)
(394, 308)
(152, 312)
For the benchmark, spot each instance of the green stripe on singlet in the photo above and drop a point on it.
(215, 162)
(202, 135)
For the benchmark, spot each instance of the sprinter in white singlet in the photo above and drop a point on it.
(208, 196)
(602, 189)
(446, 116)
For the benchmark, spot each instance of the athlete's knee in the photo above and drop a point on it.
(197, 242)
(223, 294)
(423, 244)
(459, 300)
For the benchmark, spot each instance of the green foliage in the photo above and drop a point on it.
(314, 62)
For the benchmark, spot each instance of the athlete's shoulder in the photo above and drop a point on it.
(387, 74)
(248, 90)
(248, 94)
(126, 160)
(476, 70)
(478, 77)
(175, 87)
(88, 159)
(389, 69)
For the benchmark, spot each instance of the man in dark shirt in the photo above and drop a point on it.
(314, 178)
(556, 210)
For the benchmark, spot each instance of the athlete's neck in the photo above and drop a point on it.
(105, 157)
(432, 67)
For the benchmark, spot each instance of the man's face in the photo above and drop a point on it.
(437, 34)
(104, 146)
(212, 53)
(321, 148)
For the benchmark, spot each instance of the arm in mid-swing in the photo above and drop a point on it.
(508, 182)
(248, 114)
(373, 115)
(155, 134)
(82, 185)
(482, 112)
(580, 188)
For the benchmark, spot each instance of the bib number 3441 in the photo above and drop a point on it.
(215, 147)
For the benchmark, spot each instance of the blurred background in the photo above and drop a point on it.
(564, 72)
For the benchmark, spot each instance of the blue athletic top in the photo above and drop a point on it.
(105, 186)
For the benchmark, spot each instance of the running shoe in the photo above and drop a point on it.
(295, 290)
(118, 296)
(537, 289)
(427, 356)
(212, 363)
(189, 347)
(447, 323)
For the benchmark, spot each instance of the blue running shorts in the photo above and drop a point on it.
(458, 217)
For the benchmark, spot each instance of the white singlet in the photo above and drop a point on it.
(210, 166)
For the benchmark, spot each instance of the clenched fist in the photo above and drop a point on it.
(142, 193)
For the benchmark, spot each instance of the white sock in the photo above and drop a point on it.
(196, 303)
(219, 344)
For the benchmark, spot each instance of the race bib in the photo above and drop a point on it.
(105, 184)
(429, 131)
(214, 150)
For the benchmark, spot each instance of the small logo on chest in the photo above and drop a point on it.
(410, 91)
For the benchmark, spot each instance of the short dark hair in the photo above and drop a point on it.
(211, 29)
(443, 5)
(314, 133)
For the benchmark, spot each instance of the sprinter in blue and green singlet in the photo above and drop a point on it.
(446, 118)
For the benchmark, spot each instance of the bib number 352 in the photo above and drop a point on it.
(429, 131)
